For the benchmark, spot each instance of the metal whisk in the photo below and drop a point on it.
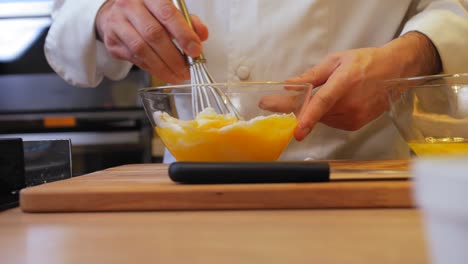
(203, 93)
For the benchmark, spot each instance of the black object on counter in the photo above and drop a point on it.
(25, 163)
(12, 176)
(248, 172)
(47, 161)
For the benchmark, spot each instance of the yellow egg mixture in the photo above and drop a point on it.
(431, 146)
(215, 137)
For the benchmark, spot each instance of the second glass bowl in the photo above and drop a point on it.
(431, 113)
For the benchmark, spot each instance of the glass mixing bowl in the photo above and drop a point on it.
(431, 113)
(268, 111)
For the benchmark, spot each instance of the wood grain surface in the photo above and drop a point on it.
(381, 236)
(146, 187)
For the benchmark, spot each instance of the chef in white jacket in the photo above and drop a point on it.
(343, 46)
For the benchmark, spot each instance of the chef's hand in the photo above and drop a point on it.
(141, 31)
(351, 94)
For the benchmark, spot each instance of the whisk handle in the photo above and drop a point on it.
(180, 4)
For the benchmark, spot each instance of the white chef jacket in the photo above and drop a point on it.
(273, 40)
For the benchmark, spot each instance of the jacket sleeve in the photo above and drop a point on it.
(71, 47)
(445, 22)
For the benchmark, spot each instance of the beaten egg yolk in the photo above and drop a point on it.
(215, 137)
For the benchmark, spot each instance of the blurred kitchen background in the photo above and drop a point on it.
(107, 124)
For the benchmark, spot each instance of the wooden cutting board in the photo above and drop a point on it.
(146, 187)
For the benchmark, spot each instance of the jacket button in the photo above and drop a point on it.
(243, 72)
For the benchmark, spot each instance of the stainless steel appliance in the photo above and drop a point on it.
(106, 125)
(30, 163)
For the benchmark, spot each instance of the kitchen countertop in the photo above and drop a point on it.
(249, 236)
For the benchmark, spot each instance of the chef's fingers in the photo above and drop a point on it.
(172, 19)
(280, 104)
(116, 47)
(324, 99)
(316, 75)
(143, 55)
(158, 39)
(200, 28)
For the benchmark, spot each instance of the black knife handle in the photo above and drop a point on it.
(248, 172)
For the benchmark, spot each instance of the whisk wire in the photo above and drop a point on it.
(204, 94)
(219, 100)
